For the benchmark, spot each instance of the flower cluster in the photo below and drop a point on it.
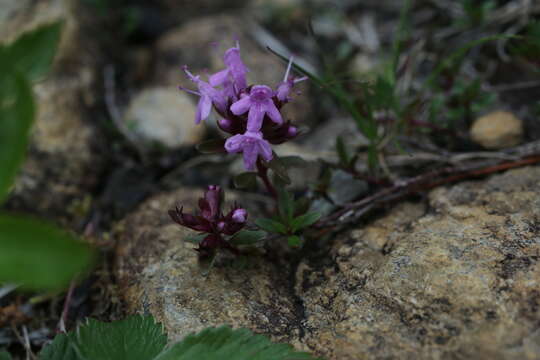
(251, 114)
(210, 220)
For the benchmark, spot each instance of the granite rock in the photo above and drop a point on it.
(455, 278)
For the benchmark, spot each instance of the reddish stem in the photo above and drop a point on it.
(262, 172)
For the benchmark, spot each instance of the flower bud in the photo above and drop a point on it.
(239, 215)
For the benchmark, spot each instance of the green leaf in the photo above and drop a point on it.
(33, 52)
(195, 238)
(16, 116)
(342, 152)
(60, 349)
(279, 168)
(225, 343)
(39, 255)
(245, 180)
(135, 338)
(303, 221)
(294, 241)
(211, 146)
(247, 237)
(271, 225)
(4, 355)
(285, 205)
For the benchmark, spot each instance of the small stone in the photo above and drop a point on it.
(497, 130)
(164, 116)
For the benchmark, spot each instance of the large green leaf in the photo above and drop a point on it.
(39, 255)
(60, 349)
(16, 116)
(135, 338)
(33, 52)
(226, 343)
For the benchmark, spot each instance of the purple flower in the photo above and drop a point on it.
(208, 95)
(251, 144)
(283, 89)
(210, 220)
(259, 102)
(235, 69)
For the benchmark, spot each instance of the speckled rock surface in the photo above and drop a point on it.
(459, 280)
(63, 162)
(159, 273)
(455, 278)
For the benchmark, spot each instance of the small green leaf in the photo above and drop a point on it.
(16, 116)
(294, 241)
(33, 52)
(135, 338)
(4, 355)
(342, 152)
(195, 238)
(211, 146)
(293, 161)
(285, 205)
(39, 255)
(279, 168)
(225, 343)
(248, 237)
(303, 221)
(271, 225)
(245, 180)
(60, 349)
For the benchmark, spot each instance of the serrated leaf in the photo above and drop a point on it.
(211, 146)
(247, 237)
(271, 225)
(33, 52)
(17, 112)
(225, 343)
(60, 349)
(135, 338)
(39, 255)
(195, 238)
(4, 355)
(303, 221)
(245, 180)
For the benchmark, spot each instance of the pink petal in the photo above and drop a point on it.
(234, 144)
(203, 108)
(255, 117)
(273, 112)
(219, 78)
(241, 106)
(265, 150)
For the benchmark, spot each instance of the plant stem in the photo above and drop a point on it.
(262, 172)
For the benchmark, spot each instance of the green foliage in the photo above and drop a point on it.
(39, 255)
(4, 355)
(211, 146)
(475, 11)
(528, 45)
(33, 253)
(60, 349)
(33, 52)
(247, 237)
(195, 238)
(226, 343)
(271, 225)
(16, 117)
(134, 338)
(245, 180)
(141, 338)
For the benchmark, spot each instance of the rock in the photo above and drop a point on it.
(63, 163)
(460, 281)
(457, 279)
(497, 130)
(164, 116)
(191, 44)
(158, 273)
